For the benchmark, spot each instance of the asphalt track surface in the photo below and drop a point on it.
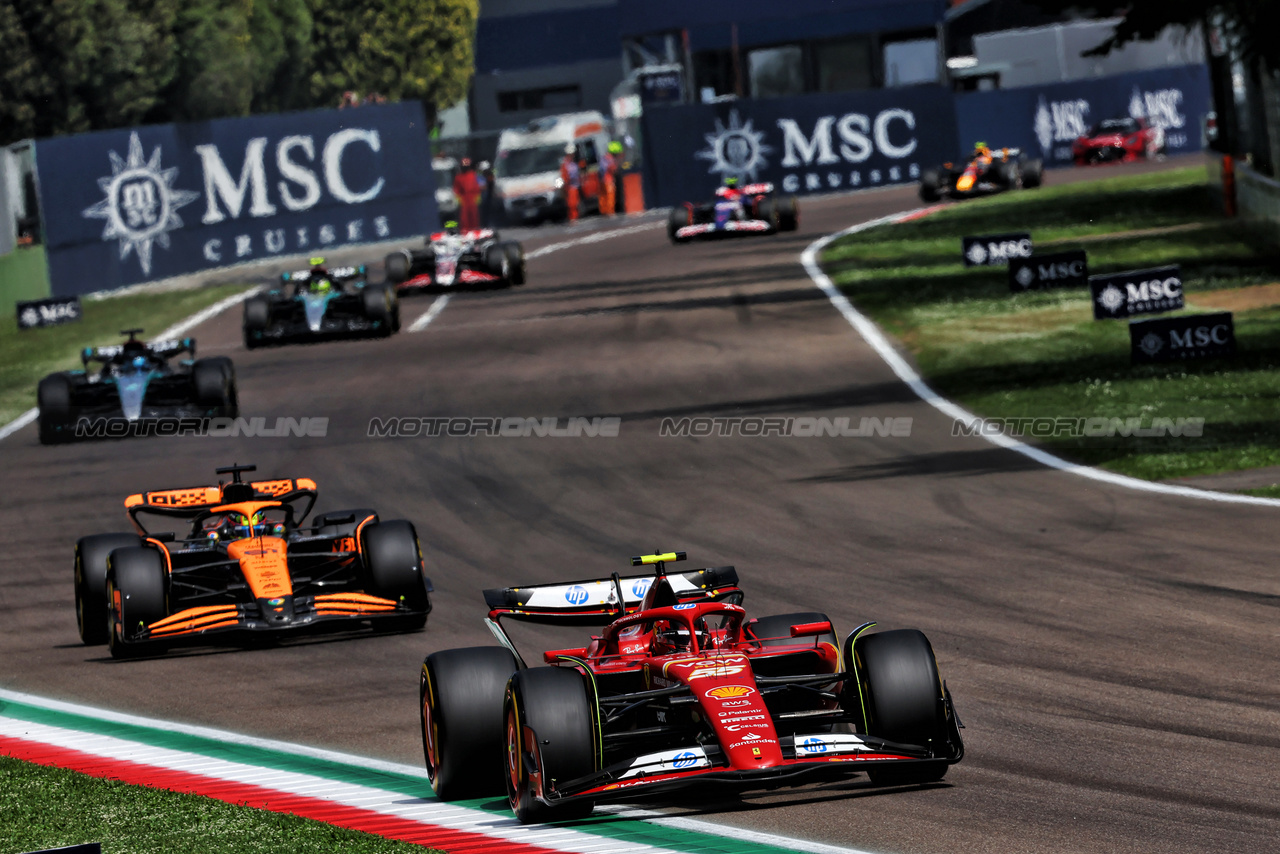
(1113, 654)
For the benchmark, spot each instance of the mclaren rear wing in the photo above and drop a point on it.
(594, 602)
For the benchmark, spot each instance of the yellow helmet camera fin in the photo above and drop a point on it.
(649, 560)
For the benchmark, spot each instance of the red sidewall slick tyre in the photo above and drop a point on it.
(461, 693)
(554, 705)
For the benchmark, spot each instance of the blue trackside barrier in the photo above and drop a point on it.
(135, 205)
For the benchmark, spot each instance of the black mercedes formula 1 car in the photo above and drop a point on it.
(456, 259)
(122, 384)
(318, 304)
(245, 565)
(988, 171)
(680, 689)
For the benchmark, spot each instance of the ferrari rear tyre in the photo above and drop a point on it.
(136, 578)
(393, 566)
(555, 705)
(460, 697)
(57, 418)
(91, 582)
(902, 700)
(515, 260)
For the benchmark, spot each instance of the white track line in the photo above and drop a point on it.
(436, 307)
(873, 336)
(174, 331)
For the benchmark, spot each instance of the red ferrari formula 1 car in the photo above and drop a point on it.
(681, 688)
(455, 259)
(1120, 140)
(246, 565)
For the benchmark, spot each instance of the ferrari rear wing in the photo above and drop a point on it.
(594, 601)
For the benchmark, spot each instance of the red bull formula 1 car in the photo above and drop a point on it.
(751, 209)
(454, 259)
(680, 688)
(245, 565)
(988, 171)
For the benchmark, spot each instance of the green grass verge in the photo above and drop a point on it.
(23, 276)
(1042, 354)
(27, 356)
(50, 807)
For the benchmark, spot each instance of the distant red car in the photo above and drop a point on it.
(1119, 141)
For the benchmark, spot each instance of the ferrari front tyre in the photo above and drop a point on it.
(135, 599)
(393, 567)
(57, 418)
(550, 728)
(788, 208)
(902, 701)
(91, 582)
(460, 698)
(931, 185)
(515, 259)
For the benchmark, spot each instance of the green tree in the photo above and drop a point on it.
(420, 49)
(281, 36)
(77, 65)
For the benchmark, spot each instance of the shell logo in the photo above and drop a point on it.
(730, 692)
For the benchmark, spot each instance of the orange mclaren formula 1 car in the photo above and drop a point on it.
(246, 564)
(679, 689)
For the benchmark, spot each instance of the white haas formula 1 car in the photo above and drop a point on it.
(453, 259)
(751, 209)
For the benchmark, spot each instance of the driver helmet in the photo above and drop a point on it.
(139, 362)
(451, 227)
(615, 147)
(981, 147)
(568, 149)
(731, 181)
(244, 526)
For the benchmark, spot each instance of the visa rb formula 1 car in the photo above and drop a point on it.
(136, 380)
(751, 209)
(987, 172)
(245, 565)
(320, 303)
(453, 259)
(680, 688)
